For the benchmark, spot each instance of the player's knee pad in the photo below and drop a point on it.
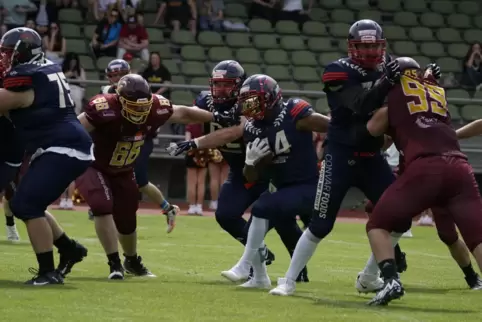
(125, 224)
(321, 227)
(448, 238)
(23, 210)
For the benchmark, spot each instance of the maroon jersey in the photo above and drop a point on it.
(118, 142)
(419, 120)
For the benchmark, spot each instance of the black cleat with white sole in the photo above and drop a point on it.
(303, 276)
(474, 282)
(49, 278)
(392, 290)
(133, 265)
(116, 270)
(71, 257)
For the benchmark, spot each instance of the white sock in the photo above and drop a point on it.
(371, 267)
(257, 231)
(305, 248)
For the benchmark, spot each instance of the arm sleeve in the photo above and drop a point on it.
(98, 112)
(300, 109)
(18, 83)
(352, 95)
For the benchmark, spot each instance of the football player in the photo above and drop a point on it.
(436, 173)
(119, 124)
(37, 97)
(279, 142)
(236, 193)
(354, 87)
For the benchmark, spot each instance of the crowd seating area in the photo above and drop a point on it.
(438, 31)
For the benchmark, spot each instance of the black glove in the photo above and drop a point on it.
(392, 70)
(436, 72)
(227, 118)
(180, 147)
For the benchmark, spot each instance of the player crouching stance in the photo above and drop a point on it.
(437, 174)
(119, 124)
(279, 139)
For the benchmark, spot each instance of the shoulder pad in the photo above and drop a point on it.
(299, 108)
(335, 73)
(99, 111)
(19, 79)
(163, 101)
(204, 100)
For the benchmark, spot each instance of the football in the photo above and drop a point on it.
(264, 161)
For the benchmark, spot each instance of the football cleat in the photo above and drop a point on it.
(68, 259)
(12, 233)
(474, 282)
(268, 256)
(134, 266)
(368, 283)
(392, 290)
(116, 271)
(303, 276)
(236, 274)
(264, 283)
(49, 278)
(285, 287)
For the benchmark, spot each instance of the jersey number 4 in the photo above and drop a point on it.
(64, 89)
(281, 144)
(422, 93)
(126, 153)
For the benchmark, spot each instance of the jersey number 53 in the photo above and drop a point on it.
(64, 89)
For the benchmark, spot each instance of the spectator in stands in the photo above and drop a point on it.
(16, 11)
(65, 4)
(106, 35)
(210, 14)
(101, 8)
(218, 173)
(54, 44)
(30, 24)
(293, 10)
(178, 13)
(156, 72)
(472, 68)
(196, 172)
(140, 18)
(263, 9)
(42, 19)
(74, 71)
(133, 39)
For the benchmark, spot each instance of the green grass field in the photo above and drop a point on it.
(189, 286)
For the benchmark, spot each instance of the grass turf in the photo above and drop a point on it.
(190, 288)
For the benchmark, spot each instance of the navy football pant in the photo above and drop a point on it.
(142, 163)
(341, 170)
(234, 198)
(281, 207)
(45, 180)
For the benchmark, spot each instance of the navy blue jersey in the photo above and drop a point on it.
(12, 148)
(234, 152)
(50, 121)
(294, 158)
(339, 75)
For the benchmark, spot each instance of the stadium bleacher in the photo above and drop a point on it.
(438, 30)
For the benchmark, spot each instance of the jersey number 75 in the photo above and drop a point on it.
(64, 89)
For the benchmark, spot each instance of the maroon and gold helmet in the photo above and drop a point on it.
(135, 97)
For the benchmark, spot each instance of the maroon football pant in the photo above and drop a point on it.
(111, 194)
(445, 184)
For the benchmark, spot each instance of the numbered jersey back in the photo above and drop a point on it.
(419, 119)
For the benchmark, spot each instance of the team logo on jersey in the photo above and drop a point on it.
(162, 111)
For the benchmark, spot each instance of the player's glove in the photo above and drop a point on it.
(227, 118)
(256, 150)
(436, 71)
(392, 70)
(181, 147)
(170, 211)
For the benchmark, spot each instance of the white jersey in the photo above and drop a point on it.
(393, 156)
(105, 89)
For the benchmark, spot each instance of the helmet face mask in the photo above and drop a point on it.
(225, 82)
(252, 105)
(258, 97)
(135, 98)
(366, 44)
(6, 60)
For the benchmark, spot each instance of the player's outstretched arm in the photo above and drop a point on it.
(15, 99)
(378, 124)
(221, 137)
(190, 114)
(315, 122)
(472, 129)
(85, 122)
